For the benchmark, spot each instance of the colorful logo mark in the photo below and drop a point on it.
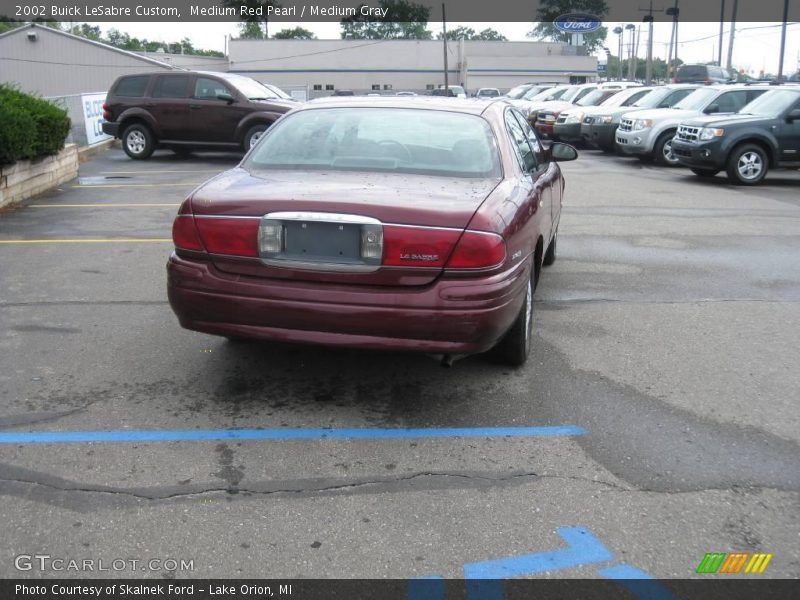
(734, 562)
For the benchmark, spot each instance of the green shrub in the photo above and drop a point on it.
(29, 126)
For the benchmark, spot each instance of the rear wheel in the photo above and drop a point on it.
(662, 151)
(705, 172)
(253, 135)
(550, 255)
(747, 164)
(138, 141)
(515, 346)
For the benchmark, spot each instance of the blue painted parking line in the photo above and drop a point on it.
(485, 579)
(64, 437)
(582, 548)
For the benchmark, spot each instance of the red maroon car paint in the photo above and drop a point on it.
(438, 309)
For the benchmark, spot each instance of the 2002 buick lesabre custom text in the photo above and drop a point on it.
(414, 224)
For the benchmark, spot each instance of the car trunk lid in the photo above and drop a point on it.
(334, 226)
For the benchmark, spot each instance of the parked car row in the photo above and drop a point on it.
(741, 129)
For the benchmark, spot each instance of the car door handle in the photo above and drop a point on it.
(195, 106)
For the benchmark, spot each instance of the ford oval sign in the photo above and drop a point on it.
(577, 23)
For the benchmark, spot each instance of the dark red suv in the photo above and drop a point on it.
(188, 110)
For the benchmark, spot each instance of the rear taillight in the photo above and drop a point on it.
(478, 250)
(106, 113)
(417, 246)
(184, 233)
(229, 235)
(429, 247)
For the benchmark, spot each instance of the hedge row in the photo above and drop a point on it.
(29, 126)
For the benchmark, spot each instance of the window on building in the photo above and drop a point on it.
(317, 87)
(376, 86)
(329, 86)
(430, 86)
(171, 86)
(132, 87)
(387, 86)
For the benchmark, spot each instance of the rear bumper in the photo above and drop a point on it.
(110, 128)
(455, 316)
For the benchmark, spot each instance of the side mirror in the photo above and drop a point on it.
(227, 98)
(561, 152)
(712, 108)
(794, 115)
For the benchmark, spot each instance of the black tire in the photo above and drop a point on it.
(515, 346)
(253, 135)
(138, 141)
(705, 172)
(550, 255)
(662, 151)
(747, 164)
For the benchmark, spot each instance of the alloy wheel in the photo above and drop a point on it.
(750, 165)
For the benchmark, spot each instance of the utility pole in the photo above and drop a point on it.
(444, 42)
(619, 31)
(721, 34)
(673, 38)
(648, 18)
(733, 32)
(632, 28)
(783, 39)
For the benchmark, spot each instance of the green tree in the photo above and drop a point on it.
(468, 33)
(296, 33)
(251, 30)
(405, 20)
(549, 10)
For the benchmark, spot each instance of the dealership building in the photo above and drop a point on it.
(366, 66)
(75, 71)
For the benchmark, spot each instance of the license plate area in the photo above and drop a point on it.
(321, 241)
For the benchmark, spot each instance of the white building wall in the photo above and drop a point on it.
(53, 63)
(414, 65)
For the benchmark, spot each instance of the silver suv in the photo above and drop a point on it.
(648, 134)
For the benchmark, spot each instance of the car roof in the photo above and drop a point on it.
(468, 106)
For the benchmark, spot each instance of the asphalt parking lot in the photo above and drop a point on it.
(662, 397)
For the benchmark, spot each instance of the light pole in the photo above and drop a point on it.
(632, 28)
(619, 31)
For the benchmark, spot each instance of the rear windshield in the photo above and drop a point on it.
(369, 139)
(132, 87)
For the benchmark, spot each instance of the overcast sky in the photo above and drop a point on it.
(756, 47)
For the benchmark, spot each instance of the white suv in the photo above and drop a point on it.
(648, 134)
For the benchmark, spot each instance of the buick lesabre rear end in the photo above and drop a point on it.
(403, 224)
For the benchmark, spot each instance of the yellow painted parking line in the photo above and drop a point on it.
(126, 185)
(149, 172)
(92, 241)
(104, 205)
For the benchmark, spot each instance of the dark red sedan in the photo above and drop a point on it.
(414, 224)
